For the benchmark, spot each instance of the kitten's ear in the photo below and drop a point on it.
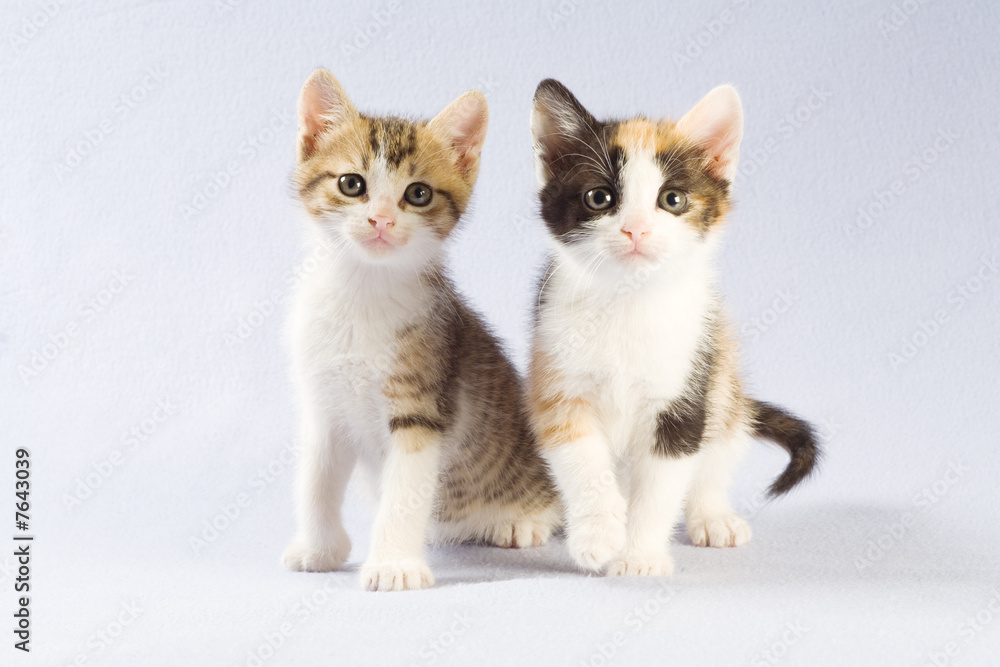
(716, 124)
(557, 119)
(323, 104)
(463, 125)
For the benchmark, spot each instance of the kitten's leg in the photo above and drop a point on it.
(711, 520)
(408, 484)
(584, 472)
(325, 464)
(657, 487)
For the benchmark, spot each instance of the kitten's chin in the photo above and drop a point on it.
(378, 249)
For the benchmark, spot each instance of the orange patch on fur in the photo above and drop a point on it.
(645, 135)
(558, 418)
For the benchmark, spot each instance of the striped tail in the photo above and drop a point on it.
(794, 435)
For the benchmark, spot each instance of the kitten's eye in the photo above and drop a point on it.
(352, 185)
(599, 199)
(418, 194)
(673, 201)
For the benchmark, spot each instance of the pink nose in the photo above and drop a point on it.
(380, 222)
(635, 233)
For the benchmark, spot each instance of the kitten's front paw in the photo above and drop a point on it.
(397, 575)
(641, 565)
(720, 531)
(520, 534)
(302, 558)
(595, 540)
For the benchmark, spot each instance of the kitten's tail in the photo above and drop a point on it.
(794, 435)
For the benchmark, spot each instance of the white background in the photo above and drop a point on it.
(117, 118)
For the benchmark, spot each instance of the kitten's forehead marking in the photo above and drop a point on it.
(641, 141)
(641, 135)
(394, 139)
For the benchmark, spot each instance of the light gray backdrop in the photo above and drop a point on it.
(149, 237)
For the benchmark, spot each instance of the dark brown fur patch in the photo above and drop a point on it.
(795, 436)
(680, 428)
(595, 154)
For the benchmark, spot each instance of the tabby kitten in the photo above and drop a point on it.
(393, 370)
(634, 367)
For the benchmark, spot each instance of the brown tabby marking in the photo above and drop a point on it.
(410, 147)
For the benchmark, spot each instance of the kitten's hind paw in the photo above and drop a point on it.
(400, 575)
(595, 540)
(302, 558)
(719, 531)
(520, 534)
(644, 565)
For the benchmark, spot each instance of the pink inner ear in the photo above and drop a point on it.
(464, 123)
(716, 124)
(310, 119)
(312, 110)
(322, 104)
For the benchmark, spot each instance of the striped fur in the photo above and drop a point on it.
(393, 370)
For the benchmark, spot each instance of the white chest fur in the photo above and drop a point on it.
(632, 349)
(343, 332)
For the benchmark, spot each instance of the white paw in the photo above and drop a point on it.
(720, 531)
(641, 565)
(302, 558)
(520, 534)
(396, 575)
(595, 540)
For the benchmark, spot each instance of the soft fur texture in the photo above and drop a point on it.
(393, 370)
(634, 386)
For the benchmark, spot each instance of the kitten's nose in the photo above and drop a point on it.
(634, 232)
(381, 222)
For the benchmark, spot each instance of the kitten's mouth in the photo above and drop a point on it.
(635, 253)
(378, 244)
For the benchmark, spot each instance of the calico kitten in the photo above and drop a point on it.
(634, 367)
(393, 370)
